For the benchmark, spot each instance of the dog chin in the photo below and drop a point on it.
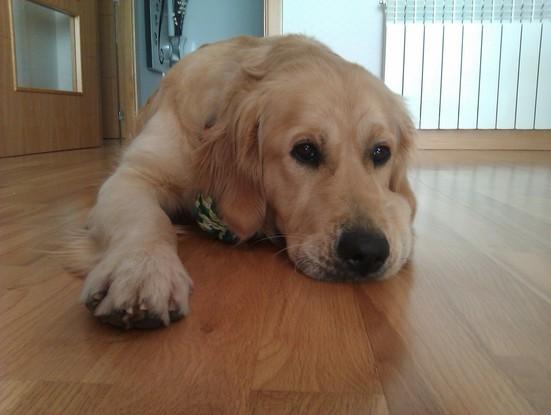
(329, 271)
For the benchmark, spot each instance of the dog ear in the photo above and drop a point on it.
(399, 182)
(229, 165)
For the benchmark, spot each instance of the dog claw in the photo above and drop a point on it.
(98, 296)
(116, 318)
(138, 317)
(94, 300)
(176, 315)
(149, 322)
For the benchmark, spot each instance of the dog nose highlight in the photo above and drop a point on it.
(362, 251)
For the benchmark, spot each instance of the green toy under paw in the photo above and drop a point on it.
(209, 221)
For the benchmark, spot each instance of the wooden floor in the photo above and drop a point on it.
(464, 329)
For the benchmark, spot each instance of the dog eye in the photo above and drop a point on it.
(380, 155)
(307, 153)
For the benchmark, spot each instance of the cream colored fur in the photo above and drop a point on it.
(223, 122)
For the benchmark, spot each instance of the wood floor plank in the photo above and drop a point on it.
(474, 299)
(36, 397)
(315, 341)
(426, 367)
(494, 234)
(511, 236)
(209, 359)
(464, 329)
(291, 403)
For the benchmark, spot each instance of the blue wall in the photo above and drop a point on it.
(206, 21)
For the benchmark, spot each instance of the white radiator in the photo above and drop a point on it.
(482, 64)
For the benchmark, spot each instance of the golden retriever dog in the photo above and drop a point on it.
(277, 137)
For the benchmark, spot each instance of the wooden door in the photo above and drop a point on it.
(60, 111)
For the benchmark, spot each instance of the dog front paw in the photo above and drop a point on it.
(138, 288)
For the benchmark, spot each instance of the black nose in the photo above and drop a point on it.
(362, 251)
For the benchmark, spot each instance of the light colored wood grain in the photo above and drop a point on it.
(465, 327)
(48, 91)
(34, 122)
(484, 139)
(127, 67)
(42, 397)
(105, 7)
(5, 31)
(110, 107)
(291, 403)
(109, 74)
(319, 348)
(107, 40)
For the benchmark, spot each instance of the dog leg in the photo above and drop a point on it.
(139, 280)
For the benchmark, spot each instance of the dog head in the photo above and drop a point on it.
(313, 150)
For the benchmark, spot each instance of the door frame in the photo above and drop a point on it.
(126, 56)
(273, 17)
